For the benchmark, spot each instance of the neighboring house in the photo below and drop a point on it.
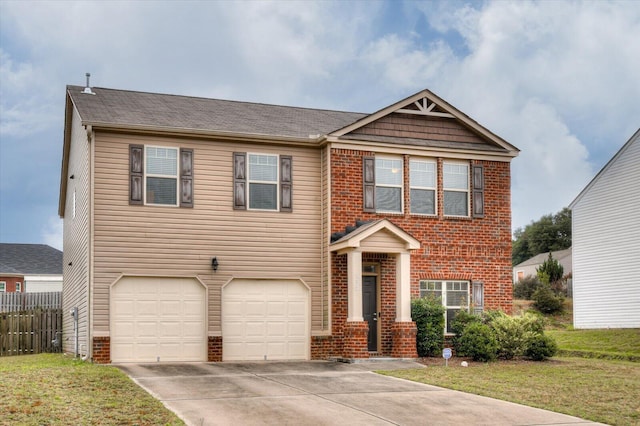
(530, 266)
(30, 268)
(201, 229)
(606, 244)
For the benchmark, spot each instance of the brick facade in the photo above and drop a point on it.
(471, 249)
(214, 349)
(10, 282)
(102, 350)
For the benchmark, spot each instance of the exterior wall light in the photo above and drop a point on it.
(214, 264)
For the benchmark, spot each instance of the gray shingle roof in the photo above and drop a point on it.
(32, 259)
(129, 108)
(539, 259)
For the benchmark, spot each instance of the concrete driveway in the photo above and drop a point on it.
(321, 393)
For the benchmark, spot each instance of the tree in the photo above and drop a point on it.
(549, 233)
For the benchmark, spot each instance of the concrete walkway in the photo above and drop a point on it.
(321, 393)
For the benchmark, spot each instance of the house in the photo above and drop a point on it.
(202, 229)
(30, 268)
(606, 244)
(530, 266)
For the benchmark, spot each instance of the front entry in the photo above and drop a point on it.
(370, 310)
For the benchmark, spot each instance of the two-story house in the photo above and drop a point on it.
(203, 229)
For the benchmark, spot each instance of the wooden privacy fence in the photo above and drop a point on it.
(11, 302)
(30, 332)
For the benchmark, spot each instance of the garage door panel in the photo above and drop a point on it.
(263, 317)
(158, 319)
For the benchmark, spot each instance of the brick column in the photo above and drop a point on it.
(214, 349)
(404, 340)
(102, 350)
(355, 339)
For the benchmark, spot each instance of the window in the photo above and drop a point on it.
(388, 178)
(422, 177)
(262, 182)
(18, 287)
(453, 294)
(161, 175)
(455, 183)
(3, 286)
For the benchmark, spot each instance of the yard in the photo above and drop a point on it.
(54, 389)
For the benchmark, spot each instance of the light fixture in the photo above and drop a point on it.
(72, 176)
(214, 264)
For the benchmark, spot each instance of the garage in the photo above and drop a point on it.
(265, 320)
(158, 319)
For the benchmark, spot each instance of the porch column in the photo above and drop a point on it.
(354, 286)
(403, 287)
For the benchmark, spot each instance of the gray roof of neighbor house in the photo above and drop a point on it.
(30, 259)
(129, 109)
(539, 259)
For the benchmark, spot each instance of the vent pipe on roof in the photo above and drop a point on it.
(87, 88)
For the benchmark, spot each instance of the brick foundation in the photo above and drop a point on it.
(404, 340)
(355, 340)
(102, 350)
(214, 349)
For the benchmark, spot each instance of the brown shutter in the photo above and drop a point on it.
(186, 177)
(136, 175)
(286, 183)
(369, 184)
(478, 190)
(240, 180)
(478, 297)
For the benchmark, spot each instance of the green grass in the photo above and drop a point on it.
(612, 344)
(53, 389)
(598, 390)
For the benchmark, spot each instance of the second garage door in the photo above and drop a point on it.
(265, 320)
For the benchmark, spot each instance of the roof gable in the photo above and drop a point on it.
(358, 237)
(425, 119)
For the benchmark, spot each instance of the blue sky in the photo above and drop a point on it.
(558, 79)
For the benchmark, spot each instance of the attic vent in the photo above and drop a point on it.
(87, 88)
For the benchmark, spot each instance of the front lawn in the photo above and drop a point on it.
(599, 390)
(621, 344)
(53, 389)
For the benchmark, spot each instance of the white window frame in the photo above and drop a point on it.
(445, 189)
(434, 188)
(250, 181)
(146, 175)
(3, 286)
(400, 170)
(18, 287)
(443, 296)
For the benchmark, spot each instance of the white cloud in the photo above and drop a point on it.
(52, 234)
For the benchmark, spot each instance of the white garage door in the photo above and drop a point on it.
(158, 319)
(265, 320)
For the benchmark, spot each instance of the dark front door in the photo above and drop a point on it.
(370, 310)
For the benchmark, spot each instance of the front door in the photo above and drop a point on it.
(370, 310)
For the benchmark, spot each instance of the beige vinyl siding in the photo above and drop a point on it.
(76, 240)
(173, 241)
(606, 245)
(382, 242)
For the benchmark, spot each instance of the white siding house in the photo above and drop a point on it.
(606, 244)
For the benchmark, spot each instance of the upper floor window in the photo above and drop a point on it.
(388, 178)
(455, 186)
(262, 181)
(422, 178)
(160, 175)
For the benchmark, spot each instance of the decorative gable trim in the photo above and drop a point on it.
(427, 103)
(354, 239)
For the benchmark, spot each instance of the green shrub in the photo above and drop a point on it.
(514, 333)
(540, 347)
(546, 301)
(428, 313)
(478, 342)
(525, 287)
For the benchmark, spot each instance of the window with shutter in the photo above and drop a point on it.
(454, 296)
(262, 182)
(388, 178)
(455, 185)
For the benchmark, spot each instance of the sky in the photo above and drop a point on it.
(560, 80)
